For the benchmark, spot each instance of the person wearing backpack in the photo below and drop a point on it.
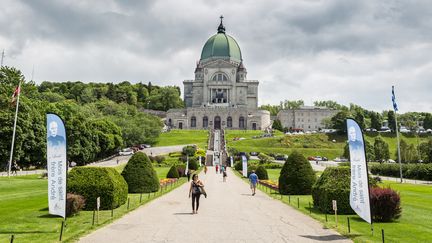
(195, 190)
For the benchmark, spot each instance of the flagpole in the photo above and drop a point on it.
(14, 129)
(398, 147)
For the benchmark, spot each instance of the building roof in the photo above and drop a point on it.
(221, 45)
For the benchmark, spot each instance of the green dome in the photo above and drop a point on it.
(223, 46)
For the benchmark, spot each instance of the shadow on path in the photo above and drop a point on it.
(324, 237)
(182, 213)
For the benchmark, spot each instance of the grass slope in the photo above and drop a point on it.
(328, 145)
(413, 226)
(179, 137)
(24, 212)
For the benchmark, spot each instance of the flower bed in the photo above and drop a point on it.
(167, 181)
(270, 184)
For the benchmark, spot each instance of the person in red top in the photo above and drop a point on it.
(217, 169)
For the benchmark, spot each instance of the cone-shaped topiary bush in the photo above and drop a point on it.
(173, 173)
(261, 172)
(140, 175)
(296, 176)
(333, 184)
(193, 164)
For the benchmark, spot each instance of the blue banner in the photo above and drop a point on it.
(359, 193)
(56, 165)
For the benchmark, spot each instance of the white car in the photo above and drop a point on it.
(126, 151)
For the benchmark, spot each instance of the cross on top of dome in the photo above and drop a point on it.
(221, 28)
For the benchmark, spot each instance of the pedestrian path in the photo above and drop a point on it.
(229, 214)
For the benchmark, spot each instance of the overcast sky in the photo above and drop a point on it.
(348, 51)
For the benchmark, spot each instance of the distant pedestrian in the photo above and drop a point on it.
(15, 168)
(253, 179)
(188, 175)
(224, 175)
(205, 169)
(195, 191)
(118, 161)
(217, 169)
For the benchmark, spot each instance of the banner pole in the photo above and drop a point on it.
(398, 147)
(14, 130)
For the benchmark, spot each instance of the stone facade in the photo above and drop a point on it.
(220, 96)
(306, 118)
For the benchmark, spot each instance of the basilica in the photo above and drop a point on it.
(220, 96)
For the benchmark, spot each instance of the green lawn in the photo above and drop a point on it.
(179, 137)
(24, 212)
(413, 226)
(328, 145)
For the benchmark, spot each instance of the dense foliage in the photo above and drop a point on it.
(262, 173)
(409, 171)
(193, 164)
(385, 204)
(94, 182)
(173, 172)
(333, 184)
(99, 118)
(296, 176)
(140, 175)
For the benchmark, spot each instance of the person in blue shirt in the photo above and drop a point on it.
(253, 178)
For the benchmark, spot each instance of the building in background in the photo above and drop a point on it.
(305, 118)
(220, 96)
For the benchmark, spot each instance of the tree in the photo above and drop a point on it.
(425, 150)
(296, 176)
(381, 150)
(339, 121)
(277, 125)
(391, 120)
(375, 120)
(427, 121)
(409, 153)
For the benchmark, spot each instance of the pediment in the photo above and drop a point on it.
(220, 64)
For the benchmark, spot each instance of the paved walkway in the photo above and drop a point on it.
(229, 214)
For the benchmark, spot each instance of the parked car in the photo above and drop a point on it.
(340, 159)
(324, 158)
(126, 151)
(281, 157)
(318, 158)
(254, 153)
(311, 158)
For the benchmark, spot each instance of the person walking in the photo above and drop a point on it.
(253, 179)
(224, 174)
(205, 169)
(217, 169)
(188, 175)
(195, 192)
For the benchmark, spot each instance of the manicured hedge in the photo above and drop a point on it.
(173, 172)
(296, 176)
(140, 175)
(193, 164)
(409, 171)
(333, 184)
(262, 173)
(93, 182)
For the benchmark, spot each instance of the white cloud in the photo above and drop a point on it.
(348, 51)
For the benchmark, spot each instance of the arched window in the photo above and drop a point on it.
(193, 121)
(169, 122)
(220, 77)
(229, 121)
(205, 122)
(241, 122)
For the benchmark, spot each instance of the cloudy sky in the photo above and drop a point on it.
(348, 51)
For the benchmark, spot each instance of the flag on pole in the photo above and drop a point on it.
(359, 192)
(16, 93)
(395, 107)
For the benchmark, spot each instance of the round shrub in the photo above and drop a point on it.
(189, 150)
(262, 173)
(385, 204)
(94, 182)
(173, 173)
(74, 204)
(333, 184)
(193, 164)
(140, 175)
(250, 168)
(296, 176)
